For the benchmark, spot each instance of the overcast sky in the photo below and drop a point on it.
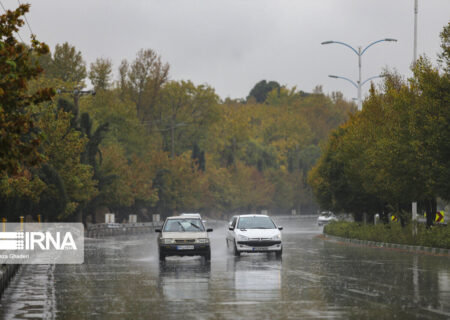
(232, 44)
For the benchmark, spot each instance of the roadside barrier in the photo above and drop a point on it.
(7, 272)
(116, 229)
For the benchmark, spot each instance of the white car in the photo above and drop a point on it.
(254, 233)
(326, 217)
(191, 215)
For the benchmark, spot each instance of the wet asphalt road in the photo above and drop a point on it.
(316, 279)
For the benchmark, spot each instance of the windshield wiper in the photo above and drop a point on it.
(193, 224)
(181, 225)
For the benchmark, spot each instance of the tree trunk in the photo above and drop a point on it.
(431, 208)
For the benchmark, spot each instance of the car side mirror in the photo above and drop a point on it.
(280, 228)
(230, 228)
(209, 230)
(158, 230)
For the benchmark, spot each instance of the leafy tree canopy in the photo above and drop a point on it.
(260, 91)
(19, 137)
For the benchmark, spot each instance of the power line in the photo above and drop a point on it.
(4, 9)
(26, 20)
(3, 6)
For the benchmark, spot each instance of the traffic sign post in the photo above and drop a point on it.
(414, 218)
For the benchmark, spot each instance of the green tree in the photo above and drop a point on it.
(444, 57)
(184, 114)
(395, 151)
(67, 64)
(19, 137)
(100, 74)
(145, 78)
(64, 147)
(260, 91)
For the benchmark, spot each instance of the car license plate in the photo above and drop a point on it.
(260, 249)
(186, 247)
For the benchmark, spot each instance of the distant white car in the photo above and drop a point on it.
(191, 215)
(254, 233)
(326, 217)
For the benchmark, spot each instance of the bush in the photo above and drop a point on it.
(437, 236)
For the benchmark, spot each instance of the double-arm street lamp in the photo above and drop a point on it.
(359, 53)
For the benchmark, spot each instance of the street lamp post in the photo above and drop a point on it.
(359, 53)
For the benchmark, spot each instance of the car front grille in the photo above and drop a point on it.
(185, 241)
(260, 243)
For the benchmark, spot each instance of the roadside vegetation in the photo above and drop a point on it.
(395, 151)
(145, 144)
(436, 237)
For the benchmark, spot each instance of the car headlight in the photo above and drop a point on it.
(277, 237)
(167, 240)
(203, 240)
(242, 238)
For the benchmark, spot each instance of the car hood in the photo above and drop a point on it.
(184, 235)
(258, 233)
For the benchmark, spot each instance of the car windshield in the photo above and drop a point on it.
(184, 225)
(327, 214)
(256, 223)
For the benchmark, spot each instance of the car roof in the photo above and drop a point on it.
(252, 215)
(183, 217)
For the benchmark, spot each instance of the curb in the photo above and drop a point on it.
(403, 247)
(7, 272)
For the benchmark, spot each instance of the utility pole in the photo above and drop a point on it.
(416, 11)
(359, 80)
(76, 94)
(172, 132)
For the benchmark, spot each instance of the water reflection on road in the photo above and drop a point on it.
(123, 279)
(256, 279)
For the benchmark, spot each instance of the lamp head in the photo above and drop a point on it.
(327, 42)
(333, 76)
(390, 39)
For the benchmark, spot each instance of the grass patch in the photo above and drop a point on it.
(436, 237)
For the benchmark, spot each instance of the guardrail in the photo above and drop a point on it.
(115, 229)
(7, 272)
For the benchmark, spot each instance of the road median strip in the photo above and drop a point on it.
(402, 247)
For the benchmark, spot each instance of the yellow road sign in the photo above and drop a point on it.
(439, 216)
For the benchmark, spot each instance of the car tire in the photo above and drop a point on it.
(279, 254)
(235, 251)
(207, 256)
(162, 257)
